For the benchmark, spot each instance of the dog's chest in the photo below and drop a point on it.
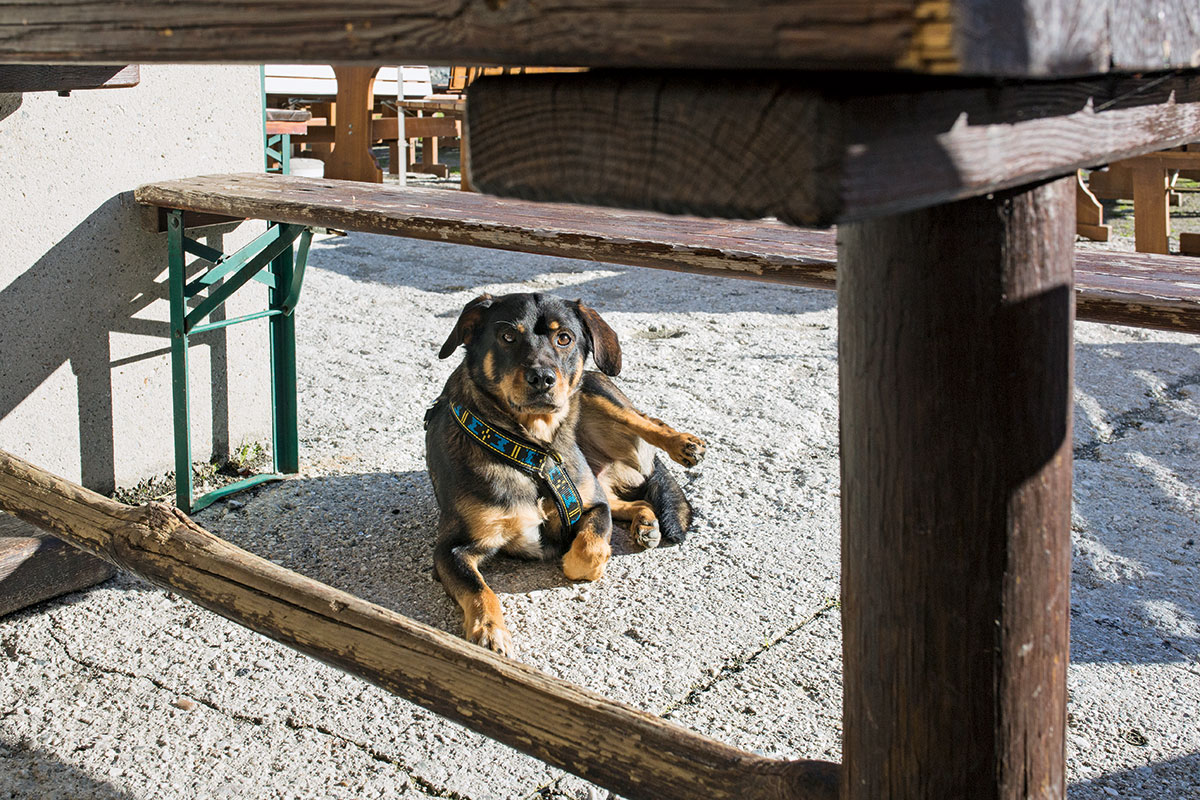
(524, 537)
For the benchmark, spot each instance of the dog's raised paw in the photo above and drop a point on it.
(494, 637)
(687, 450)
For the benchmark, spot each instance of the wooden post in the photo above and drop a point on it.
(955, 337)
(351, 158)
(1151, 212)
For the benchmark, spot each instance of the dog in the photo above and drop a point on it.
(532, 455)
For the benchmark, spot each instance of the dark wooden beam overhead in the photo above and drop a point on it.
(66, 77)
(1017, 38)
(806, 151)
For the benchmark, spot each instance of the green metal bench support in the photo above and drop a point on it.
(277, 150)
(268, 259)
(279, 153)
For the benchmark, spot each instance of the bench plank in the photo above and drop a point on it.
(35, 566)
(1139, 289)
(706, 246)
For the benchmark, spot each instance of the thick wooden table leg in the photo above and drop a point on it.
(351, 159)
(1151, 208)
(955, 334)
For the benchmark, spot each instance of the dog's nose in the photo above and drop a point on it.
(540, 378)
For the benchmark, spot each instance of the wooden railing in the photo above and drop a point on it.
(614, 745)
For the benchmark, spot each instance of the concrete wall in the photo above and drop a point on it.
(85, 380)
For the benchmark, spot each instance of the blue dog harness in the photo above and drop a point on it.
(545, 465)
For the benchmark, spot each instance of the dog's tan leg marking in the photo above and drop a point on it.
(683, 448)
(483, 622)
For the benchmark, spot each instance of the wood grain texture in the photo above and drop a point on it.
(614, 745)
(955, 359)
(35, 566)
(1017, 38)
(752, 145)
(654, 33)
(66, 77)
(1110, 286)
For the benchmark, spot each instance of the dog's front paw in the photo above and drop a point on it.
(687, 450)
(585, 561)
(492, 635)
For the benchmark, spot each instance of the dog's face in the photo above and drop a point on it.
(529, 350)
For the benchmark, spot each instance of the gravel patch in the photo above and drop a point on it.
(128, 691)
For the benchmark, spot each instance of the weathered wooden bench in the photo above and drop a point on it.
(1123, 288)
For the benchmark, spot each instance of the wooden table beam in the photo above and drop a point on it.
(66, 77)
(806, 151)
(1029, 38)
(955, 360)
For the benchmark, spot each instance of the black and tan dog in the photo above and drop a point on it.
(518, 416)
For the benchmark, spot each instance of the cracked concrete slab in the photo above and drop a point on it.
(735, 633)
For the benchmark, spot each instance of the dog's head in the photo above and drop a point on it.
(529, 350)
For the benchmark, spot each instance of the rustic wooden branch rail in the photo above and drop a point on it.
(608, 743)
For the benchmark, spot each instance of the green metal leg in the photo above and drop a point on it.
(285, 279)
(283, 367)
(176, 277)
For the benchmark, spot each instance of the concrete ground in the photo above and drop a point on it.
(128, 691)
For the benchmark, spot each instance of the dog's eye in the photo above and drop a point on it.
(508, 337)
(563, 339)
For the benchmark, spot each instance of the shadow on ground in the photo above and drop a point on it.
(452, 268)
(1137, 496)
(31, 772)
(1160, 779)
(379, 532)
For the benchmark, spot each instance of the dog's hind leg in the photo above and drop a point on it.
(643, 524)
(456, 565)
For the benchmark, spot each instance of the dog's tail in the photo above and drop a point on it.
(672, 508)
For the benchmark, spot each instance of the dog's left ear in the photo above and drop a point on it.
(468, 322)
(603, 339)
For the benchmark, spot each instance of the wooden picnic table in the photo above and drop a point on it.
(945, 168)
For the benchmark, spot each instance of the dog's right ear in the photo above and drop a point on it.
(468, 323)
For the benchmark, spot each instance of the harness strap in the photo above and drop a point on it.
(545, 465)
